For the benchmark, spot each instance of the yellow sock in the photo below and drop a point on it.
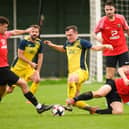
(71, 91)
(81, 104)
(34, 87)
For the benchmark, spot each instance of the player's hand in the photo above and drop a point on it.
(28, 30)
(47, 42)
(109, 46)
(126, 81)
(34, 65)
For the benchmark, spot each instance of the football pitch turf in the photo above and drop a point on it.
(16, 114)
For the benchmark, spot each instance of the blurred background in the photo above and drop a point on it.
(57, 15)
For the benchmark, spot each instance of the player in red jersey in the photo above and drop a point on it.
(112, 28)
(116, 91)
(7, 76)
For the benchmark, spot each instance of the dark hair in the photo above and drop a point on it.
(36, 26)
(109, 3)
(4, 20)
(73, 27)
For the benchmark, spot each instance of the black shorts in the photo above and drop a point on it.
(113, 95)
(7, 77)
(122, 59)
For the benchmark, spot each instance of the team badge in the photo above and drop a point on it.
(118, 25)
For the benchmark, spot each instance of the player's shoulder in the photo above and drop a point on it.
(119, 16)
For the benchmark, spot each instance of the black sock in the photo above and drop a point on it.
(31, 98)
(84, 96)
(104, 111)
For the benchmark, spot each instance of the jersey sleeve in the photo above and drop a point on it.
(124, 22)
(41, 48)
(85, 43)
(8, 34)
(65, 44)
(99, 25)
(22, 44)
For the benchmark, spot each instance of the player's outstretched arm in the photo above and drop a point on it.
(54, 46)
(19, 32)
(102, 47)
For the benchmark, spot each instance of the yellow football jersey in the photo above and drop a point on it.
(76, 54)
(30, 51)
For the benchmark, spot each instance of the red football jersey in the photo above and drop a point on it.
(122, 89)
(113, 33)
(3, 49)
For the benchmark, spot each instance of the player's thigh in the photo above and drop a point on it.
(111, 61)
(78, 76)
(117, 107)
(102, 91)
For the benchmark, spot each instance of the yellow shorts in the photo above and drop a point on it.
(25, 73)
(83, 75)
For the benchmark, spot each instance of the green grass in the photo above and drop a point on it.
(16, 114)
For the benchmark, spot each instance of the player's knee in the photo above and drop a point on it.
(117, 111)
(73, 79)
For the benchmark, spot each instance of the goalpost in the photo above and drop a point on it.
(96, 59)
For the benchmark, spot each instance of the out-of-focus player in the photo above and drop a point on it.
(24, 66)
(113, 27)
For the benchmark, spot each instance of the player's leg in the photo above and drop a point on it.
(82, 77)
(14, 79)
(113, 102)
(117, 107)
(35, 78)
(111, 62)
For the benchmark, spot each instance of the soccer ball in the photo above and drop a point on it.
(58, 110)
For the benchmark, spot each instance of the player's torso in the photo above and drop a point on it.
(113, 33)
(3, 51)
(75, 56)
(30, 51)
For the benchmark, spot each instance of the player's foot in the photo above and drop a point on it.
(68, 108)
(44, 108)
(28, 102)
(70, 101)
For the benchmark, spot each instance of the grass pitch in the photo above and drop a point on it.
(16, 114)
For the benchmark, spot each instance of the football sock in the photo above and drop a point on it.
(31, 98)
(34, 87)
(84, 96)
(104, 111)
(71, 89)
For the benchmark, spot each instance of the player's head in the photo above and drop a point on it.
(4, 22)
(35, 31)
(71, 33)
(109, 8)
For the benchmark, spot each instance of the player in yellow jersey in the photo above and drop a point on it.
(76, 50)
(24, 66)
